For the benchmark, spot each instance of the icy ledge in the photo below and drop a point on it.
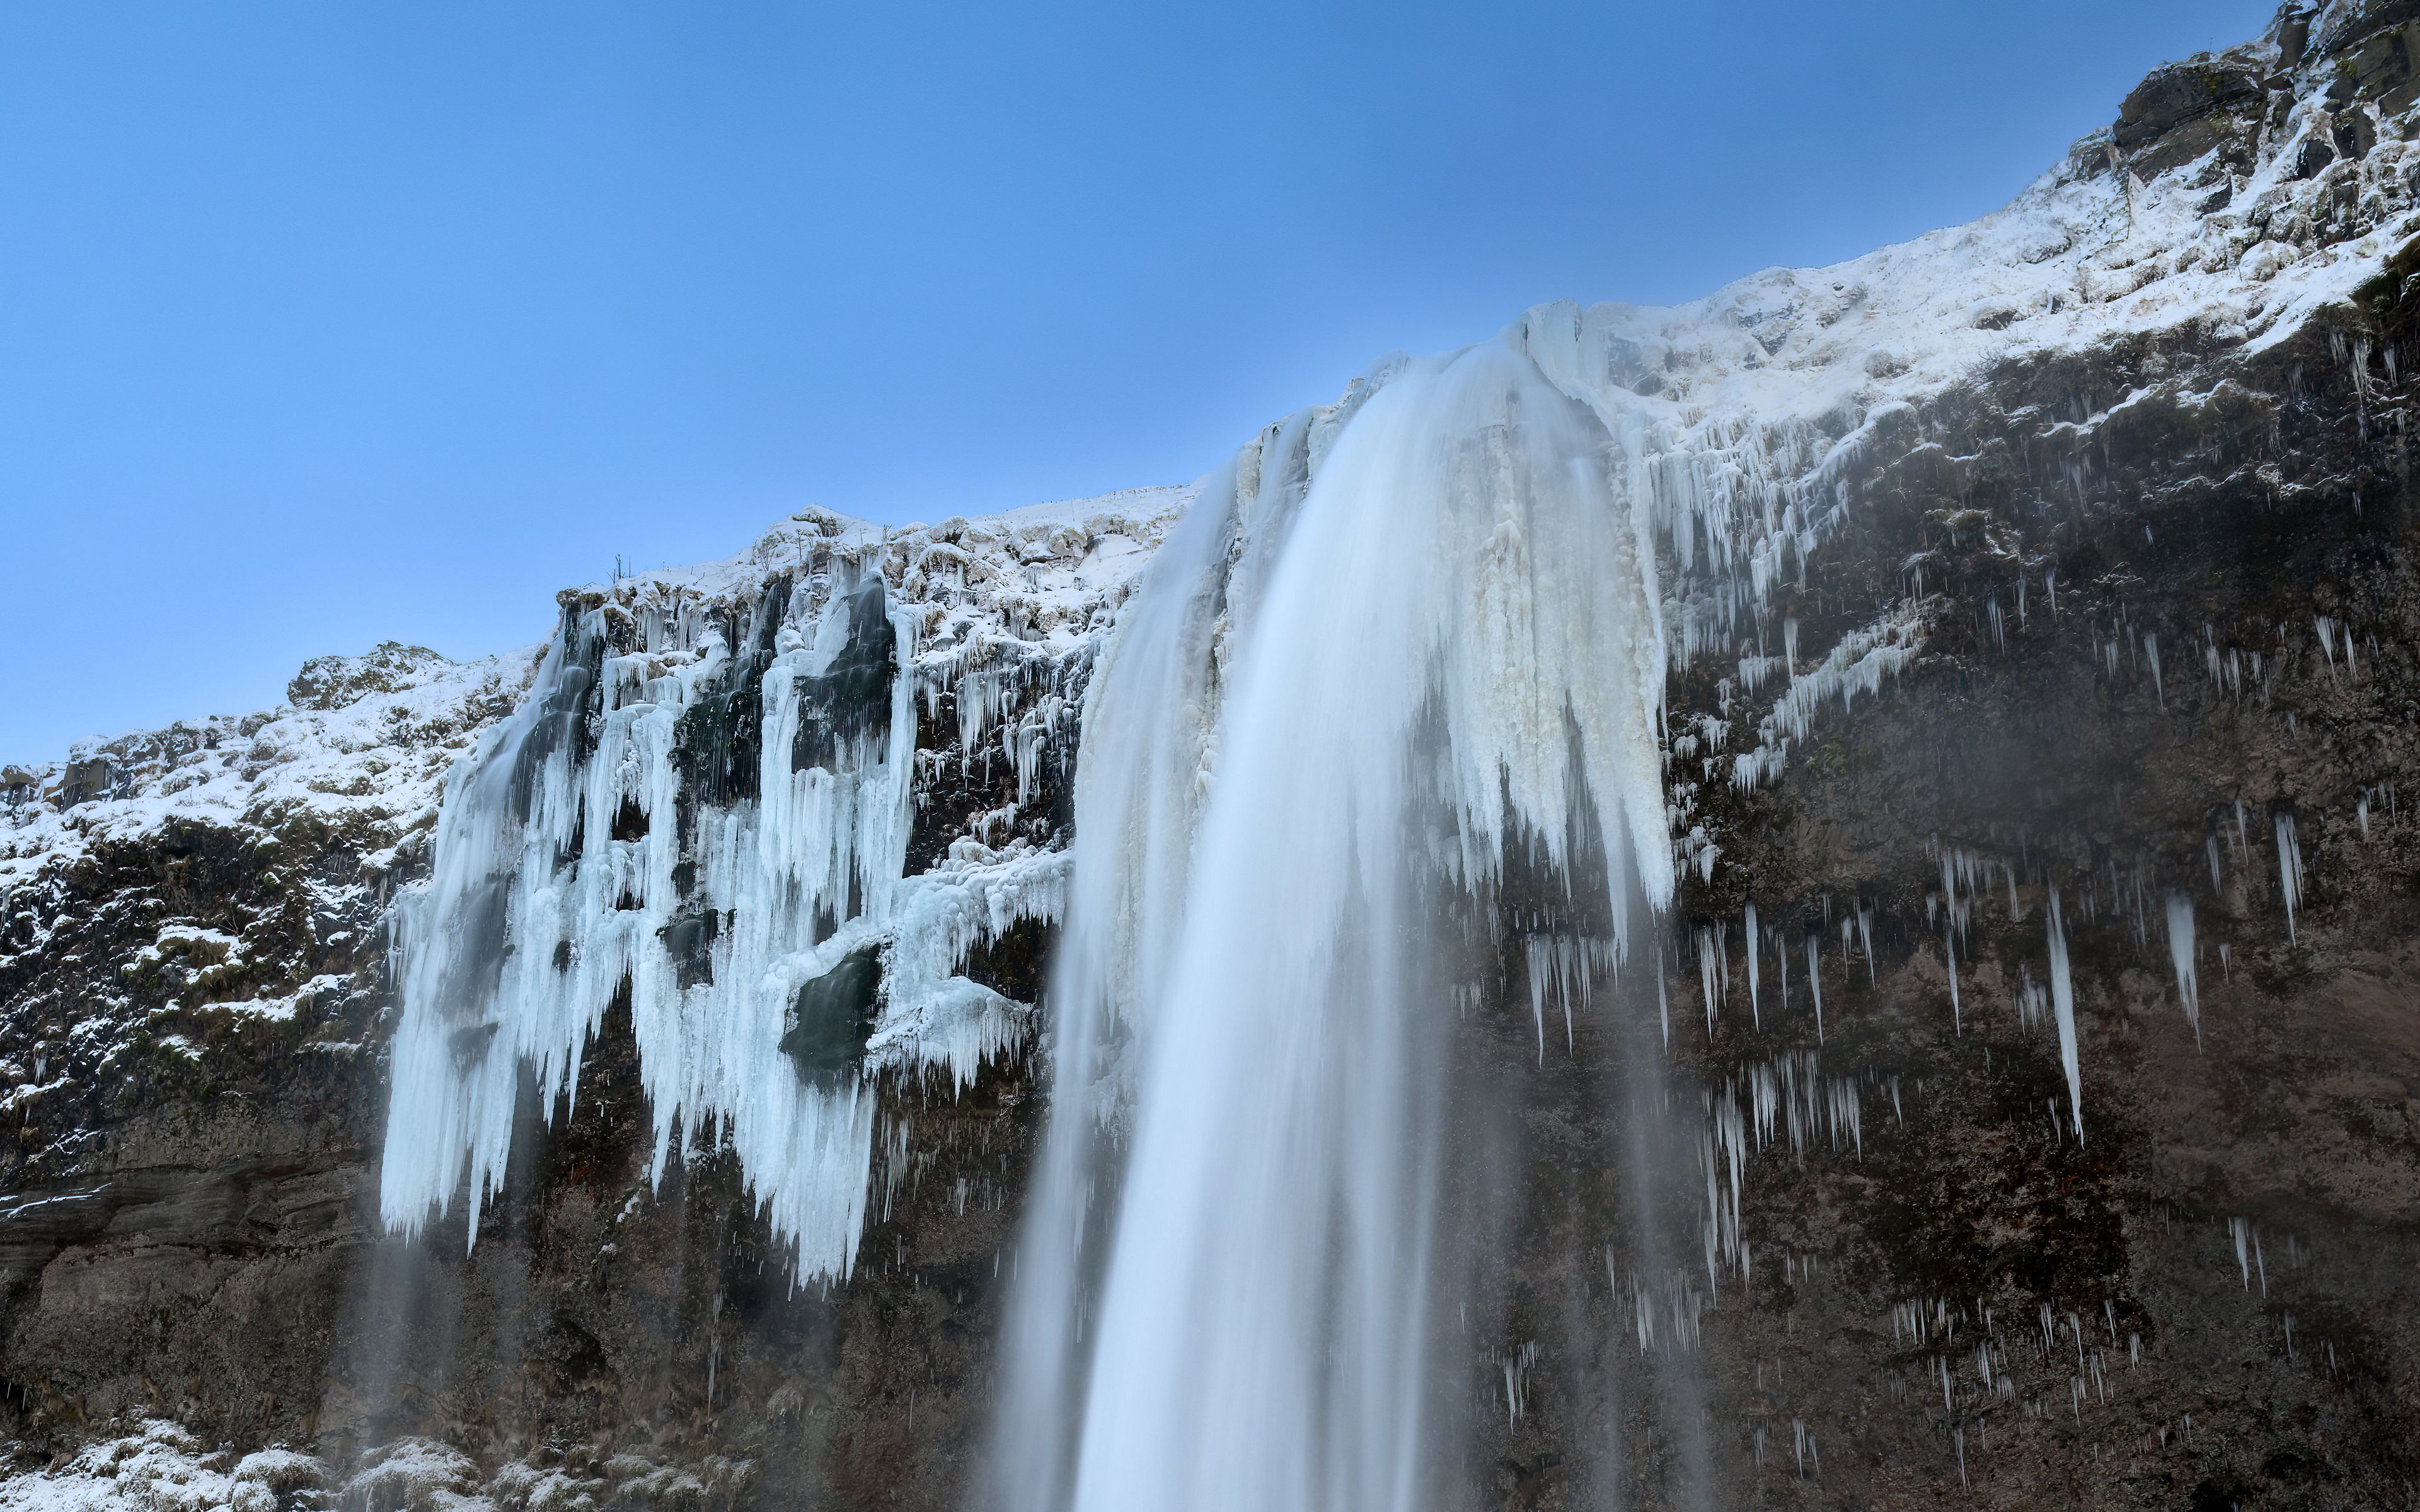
(702, 814)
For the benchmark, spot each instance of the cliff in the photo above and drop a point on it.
(2056, 567)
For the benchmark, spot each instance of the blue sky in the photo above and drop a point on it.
(321, 325)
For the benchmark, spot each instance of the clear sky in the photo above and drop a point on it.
(327, 324)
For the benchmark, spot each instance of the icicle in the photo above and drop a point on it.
(1662, 1008)
(2289, 867)
(1815, 982)
(556, 889)
(1781, 954)
(1707, 947)
(2180, 955)
(2062, 993)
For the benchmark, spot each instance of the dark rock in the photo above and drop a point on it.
(2353, 134)
(469, 1044)
(833, 1017)
(848, 706)
(2185, 109)
(2292, 31)
(689, 940)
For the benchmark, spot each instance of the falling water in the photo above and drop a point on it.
(1407, 650)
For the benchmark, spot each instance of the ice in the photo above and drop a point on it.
(2062, 997)
(2289, 866)
(561, 881)
(2180, 955)
(1709, 970)
(702, 811)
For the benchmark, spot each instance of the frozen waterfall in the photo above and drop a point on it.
(701, 811)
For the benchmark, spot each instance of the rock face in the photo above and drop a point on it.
(2081, 562)
(198, 1004)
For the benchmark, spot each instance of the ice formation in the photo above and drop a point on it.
(555, 885)
(2062, 997)
(2180, 955)
(1731, 427)
(702, 811)
(2289, 867)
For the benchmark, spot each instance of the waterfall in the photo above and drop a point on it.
(1395, 683)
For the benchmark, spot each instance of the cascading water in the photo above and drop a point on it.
(1405, 663)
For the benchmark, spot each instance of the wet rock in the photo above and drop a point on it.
(833, 1016)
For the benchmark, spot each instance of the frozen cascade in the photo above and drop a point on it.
(1404, 647)
(612, 838)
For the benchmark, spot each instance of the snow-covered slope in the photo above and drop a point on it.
(366, 738)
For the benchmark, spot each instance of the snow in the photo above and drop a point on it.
(380, 758)
(158, 1465)
(162, 1466)
(1743, 413)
